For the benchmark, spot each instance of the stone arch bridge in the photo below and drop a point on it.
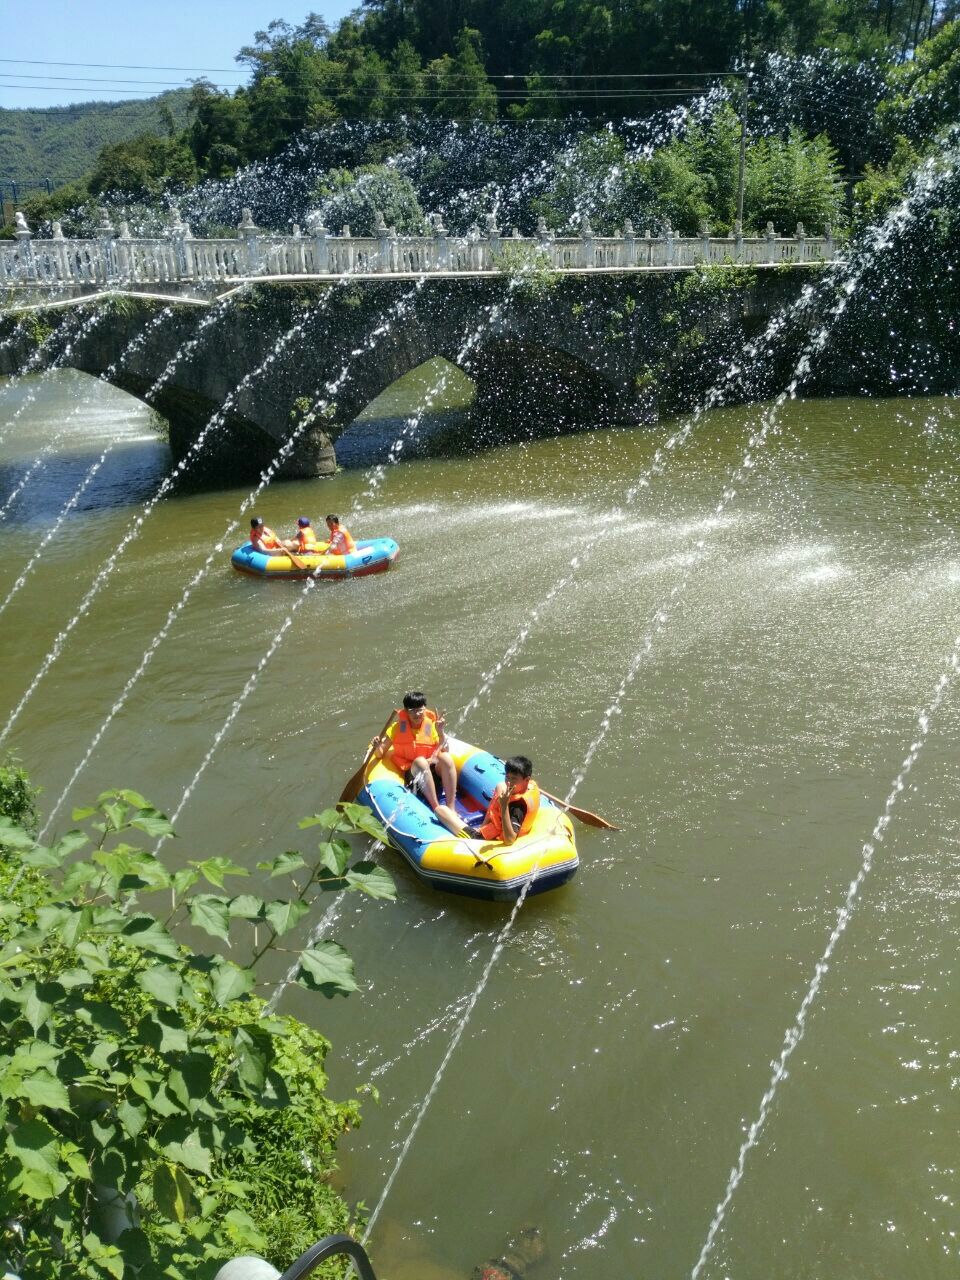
(548, 355)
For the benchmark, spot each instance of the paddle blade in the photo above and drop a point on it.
(591, 819)
(582, 815)
(354, 786)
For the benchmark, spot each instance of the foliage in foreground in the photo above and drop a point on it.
(157, 1118)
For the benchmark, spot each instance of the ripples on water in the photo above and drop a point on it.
(605, 1078)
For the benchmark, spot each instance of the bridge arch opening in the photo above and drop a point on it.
(429, 407)
(532, 391)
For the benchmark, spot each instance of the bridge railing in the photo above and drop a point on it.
(178, 257)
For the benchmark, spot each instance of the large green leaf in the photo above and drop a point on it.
(328, 968)
(185, 879)
(13, 836)
(283, 864)
(75, 926)
(161, 1102)
(132, 1118)
(361, 819)
(146, 932)
(70, 843)
(39, 1184)
(282, 915)
(36, 1010)
(230, 982)
(190, 1080)
(163, 983)
(334, 855)
(35, 1053)
(212, 914)
(192, 1153)
(216, 870)
(253, 1048)
(107, 1257)
(329, 818)
(246, 906)
(34, 1145)
(156, 824)
(115, 814)
(44, 1090)
(173, 1193)
(371, 879)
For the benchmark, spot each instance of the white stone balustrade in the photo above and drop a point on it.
(116, 259)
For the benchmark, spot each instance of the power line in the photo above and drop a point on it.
(523, 75)
(13, 75)
(112, 66)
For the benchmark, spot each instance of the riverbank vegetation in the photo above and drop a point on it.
(160, 1118)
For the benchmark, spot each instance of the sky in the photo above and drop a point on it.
(136, 38)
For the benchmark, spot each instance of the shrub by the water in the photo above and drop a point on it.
(159, 1118)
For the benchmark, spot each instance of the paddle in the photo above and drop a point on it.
(355, 784)
(585, 816)
(296, 560)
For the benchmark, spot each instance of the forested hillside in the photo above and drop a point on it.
(60, 144)
(561, 111)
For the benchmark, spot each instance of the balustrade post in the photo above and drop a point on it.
(705, 240)
(801, 237)
(648, 247)
(771, 243)
(24, 238)
(179, 234)
(493, 245)
(738, 241)
(106, 234)
(382, 232)
(669, 238)
(251, 238)
(298, 249)
(587, 248)
(321, 249)
(629, 244)
(443, 244)
(60, 249)
(546, 238)
(125, 264)
(828, 238)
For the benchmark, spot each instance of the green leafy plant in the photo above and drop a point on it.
(156, 1113)
(527, 267)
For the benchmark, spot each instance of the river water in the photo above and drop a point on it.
(619, 1053)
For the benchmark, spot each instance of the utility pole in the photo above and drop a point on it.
(743, 145)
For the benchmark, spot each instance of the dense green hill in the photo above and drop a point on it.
(58, 144)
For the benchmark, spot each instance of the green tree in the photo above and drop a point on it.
(459, 84)
(151, 1102)
(792, 180)
(353, 198)
(143, 166)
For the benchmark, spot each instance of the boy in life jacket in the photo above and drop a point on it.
(305, 543)
(341, 543)
(262, 538)
(515, 803)
(416, 744)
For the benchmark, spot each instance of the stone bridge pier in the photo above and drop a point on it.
(557, 356)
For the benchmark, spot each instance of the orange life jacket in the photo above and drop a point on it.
(269, 540)
(492, 826)
(341, 544)
(408, 743)
(307, 540)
